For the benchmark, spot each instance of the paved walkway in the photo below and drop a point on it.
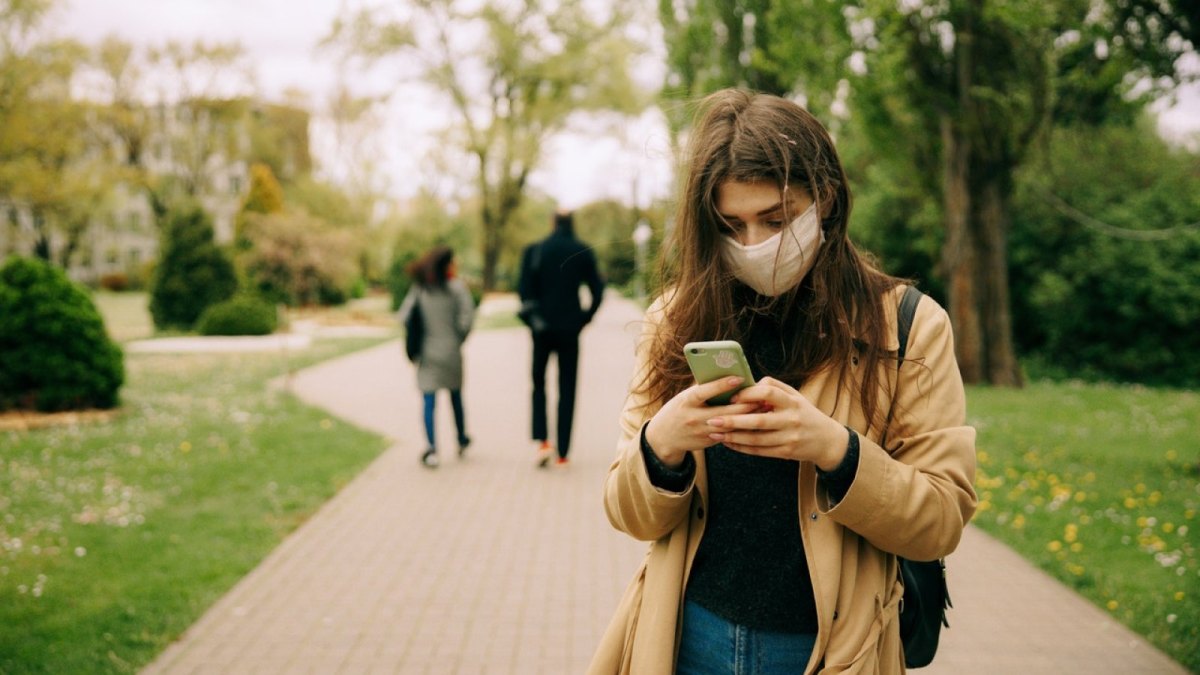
(490, 566)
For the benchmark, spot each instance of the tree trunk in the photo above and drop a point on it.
(1002, 368)
(959, 254)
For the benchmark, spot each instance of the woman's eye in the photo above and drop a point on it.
(775, 224)
(730, 228)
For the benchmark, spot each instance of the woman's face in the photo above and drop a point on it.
(754, 212)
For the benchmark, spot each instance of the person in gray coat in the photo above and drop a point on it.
(448, 312)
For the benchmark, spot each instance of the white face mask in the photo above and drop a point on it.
(774, 266)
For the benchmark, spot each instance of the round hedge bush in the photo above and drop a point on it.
(54, 352)
(239, 315)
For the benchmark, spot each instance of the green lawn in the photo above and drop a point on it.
(1099, 485)
(116, 536)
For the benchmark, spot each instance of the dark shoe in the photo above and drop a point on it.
(463, 444)
(430, 459)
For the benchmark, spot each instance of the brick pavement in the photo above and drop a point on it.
(491, 566)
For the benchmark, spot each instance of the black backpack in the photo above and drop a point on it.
(926, 597)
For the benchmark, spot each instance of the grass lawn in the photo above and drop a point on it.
(116, 536)
(1099, 485)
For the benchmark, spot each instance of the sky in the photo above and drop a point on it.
(281, 35)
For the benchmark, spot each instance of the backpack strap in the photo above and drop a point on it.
(904, 320)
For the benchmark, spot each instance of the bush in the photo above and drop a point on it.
(192, 272)
(240, 315)
(1098, 301)
(299, 260)
(114, 281)
(54, 352)
(398, 280)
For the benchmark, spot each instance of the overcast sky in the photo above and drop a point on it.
(280, 36)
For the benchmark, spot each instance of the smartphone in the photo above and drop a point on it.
(716, 359)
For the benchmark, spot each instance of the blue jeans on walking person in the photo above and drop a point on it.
(711, 645)
(456, 404)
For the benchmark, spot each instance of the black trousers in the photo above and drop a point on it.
(566, 346)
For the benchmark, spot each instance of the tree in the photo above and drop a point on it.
(174, 112)
(45, 166)
(955, 93)
(192, 272)
(965, 87)
(512, 75)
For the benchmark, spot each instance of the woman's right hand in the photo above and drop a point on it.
(681, 425)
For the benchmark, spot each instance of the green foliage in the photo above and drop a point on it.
(192, 272)
(1118, 298)
(296, 259)
(243, 314)
(132, 527)
(54, 352)
(1100, 487)
(398, 279)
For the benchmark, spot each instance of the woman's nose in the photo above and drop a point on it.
(756, 234)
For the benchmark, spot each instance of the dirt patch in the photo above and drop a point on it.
(17, 420)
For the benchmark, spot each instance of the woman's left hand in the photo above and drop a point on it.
(786, 426)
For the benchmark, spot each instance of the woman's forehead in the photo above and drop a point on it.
(736, 197)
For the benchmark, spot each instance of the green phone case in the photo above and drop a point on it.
(715, 359)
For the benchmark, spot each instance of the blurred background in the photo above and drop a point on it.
(172, 168)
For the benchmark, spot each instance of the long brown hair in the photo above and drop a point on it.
(749, 137)
(432, 269)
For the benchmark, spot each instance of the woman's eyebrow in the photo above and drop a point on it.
(767, 211)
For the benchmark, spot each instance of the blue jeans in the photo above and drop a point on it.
(460, 422)
(713, 646)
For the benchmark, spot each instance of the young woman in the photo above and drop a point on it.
(776, 520)
(448, 312)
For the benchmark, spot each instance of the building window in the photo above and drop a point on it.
(235, 185)
(134, 220)
(112, 257)
(14, 217)
(133, 257)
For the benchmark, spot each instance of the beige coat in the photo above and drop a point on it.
(910, 499)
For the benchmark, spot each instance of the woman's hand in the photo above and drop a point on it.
(780, 423)
(682, 425)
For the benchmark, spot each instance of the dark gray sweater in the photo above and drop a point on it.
(750, 568)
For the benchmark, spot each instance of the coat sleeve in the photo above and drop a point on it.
(406, 305)
(595, 283)
(464, 314)
(525, 279)
(915, 498)
(633, 504)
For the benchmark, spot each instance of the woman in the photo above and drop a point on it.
(448, 311)
(776, 520)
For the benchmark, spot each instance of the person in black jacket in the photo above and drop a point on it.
(552, 270)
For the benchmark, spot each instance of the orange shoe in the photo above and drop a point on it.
(561, 463)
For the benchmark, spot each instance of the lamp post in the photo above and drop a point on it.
(641, 237)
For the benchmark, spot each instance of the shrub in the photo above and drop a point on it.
(192, 272)
(398, 280)
(114, 281)
(54, 352)
(297, 259)
(243, 314)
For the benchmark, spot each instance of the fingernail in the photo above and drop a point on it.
(716, 422)
(734, 380)
(717, 437)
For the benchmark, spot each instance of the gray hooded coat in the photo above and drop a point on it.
(448, 312)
